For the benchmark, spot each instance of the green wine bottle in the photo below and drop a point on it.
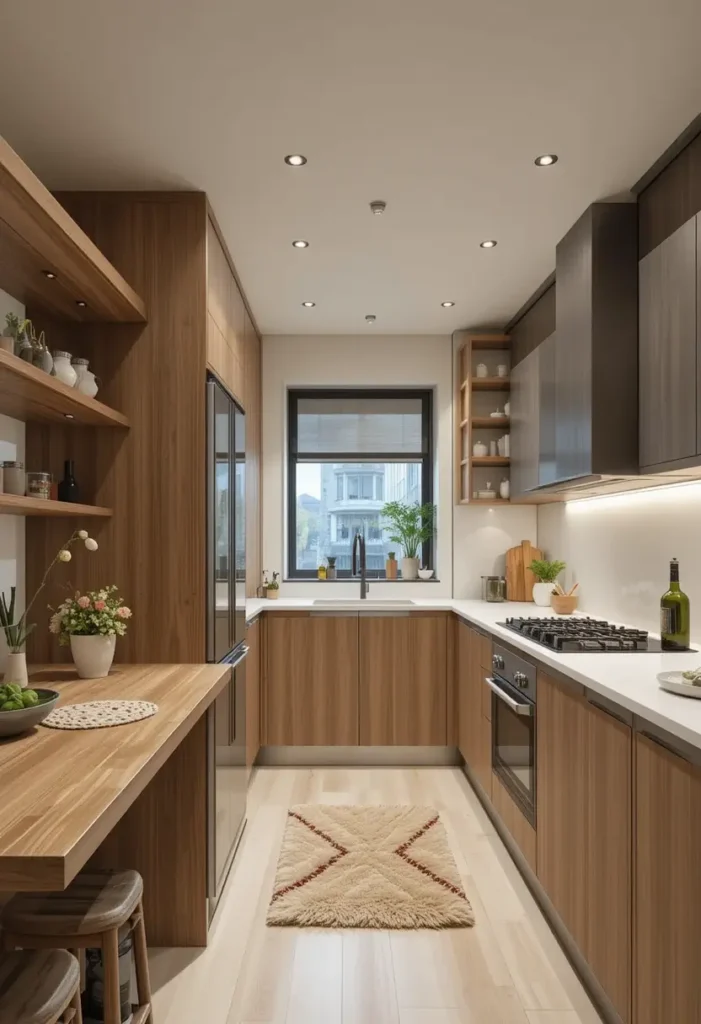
(674, 613)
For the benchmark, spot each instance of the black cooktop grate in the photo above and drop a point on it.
(582, 636)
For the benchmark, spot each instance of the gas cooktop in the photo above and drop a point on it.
(583, 636)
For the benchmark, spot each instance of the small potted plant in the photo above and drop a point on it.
(411, 526)
(271, 586)
(91, 624)
(546, 573)
(391, 566)
(41, 357)
(14, 338)
(331, 570)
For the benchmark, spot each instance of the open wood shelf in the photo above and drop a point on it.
(490, 460)
(486, 501)
(38, 235)
(14, 505)
(491, 384)
(489, 422)
(29, 394)
(489, 342)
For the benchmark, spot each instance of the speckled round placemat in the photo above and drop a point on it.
(99, 714)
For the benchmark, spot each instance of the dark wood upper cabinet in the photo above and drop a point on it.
(668, 288)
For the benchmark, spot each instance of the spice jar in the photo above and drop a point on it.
(14, 478)
(39, 485)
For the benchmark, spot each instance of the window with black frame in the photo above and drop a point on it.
(350, 452)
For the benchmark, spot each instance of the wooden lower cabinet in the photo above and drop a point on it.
(474, 727)
(403, 664)
(513, 819)
(253, 639)
(584, 815)
(667, 979)
(311, 680)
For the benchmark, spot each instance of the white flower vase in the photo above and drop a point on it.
(16, 669)
(410, 568)
(542, 592)
(93, 655)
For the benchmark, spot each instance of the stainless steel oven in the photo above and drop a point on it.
(513, 685)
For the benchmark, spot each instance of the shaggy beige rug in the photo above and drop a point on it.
(367, 867)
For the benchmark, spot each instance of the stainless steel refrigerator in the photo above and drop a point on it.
(226, 630)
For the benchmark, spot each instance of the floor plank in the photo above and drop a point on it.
(368, 978)
(316, 992)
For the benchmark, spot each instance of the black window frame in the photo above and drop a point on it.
(425, 458)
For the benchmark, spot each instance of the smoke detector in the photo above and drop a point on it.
(378, 207)
(371, 318)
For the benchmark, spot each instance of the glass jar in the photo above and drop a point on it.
(39, 485)
(493, 588)
(14, 478)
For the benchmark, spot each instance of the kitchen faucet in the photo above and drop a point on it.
(359, 545)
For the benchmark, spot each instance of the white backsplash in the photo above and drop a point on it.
(481, 537)
(618, 549)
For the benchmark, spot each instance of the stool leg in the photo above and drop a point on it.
(143, 983)
(75, 1004)
(110, 966)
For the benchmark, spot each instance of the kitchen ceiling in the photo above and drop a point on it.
(440, 109)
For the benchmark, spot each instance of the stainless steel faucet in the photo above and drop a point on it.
(359, 545)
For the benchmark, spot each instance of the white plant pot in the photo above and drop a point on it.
(16, 669)
(93, 655)
(542, 592)
(410, 568)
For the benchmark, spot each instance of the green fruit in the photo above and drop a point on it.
(29, 698)
(14, 687)
(12, 705)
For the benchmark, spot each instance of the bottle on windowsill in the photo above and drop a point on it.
(674, 613)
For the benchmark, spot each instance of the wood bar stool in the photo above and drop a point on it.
(88, 914)
(40, 988)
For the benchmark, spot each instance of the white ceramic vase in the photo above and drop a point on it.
(16, 669)
(542, 592)
(93, 655)
(410, 568)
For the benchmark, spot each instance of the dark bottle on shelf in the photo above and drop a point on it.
(68, 488)
(674, 613)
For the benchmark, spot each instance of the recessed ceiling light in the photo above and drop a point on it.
(546, 160)
(295, 160)
(50, 274)
(371, 318)
(69, 415)
(299, 243)
(309, 305)
(447, 305)
(488, 244)
(378, 207)
(81, 302)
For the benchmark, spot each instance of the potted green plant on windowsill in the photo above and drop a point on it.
(411, 526)
(331, 570)
(391, 566)
(546, 573)
(271, 587)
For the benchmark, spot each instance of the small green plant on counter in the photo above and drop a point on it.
(411, 525)
(271, 584)
(545, 571)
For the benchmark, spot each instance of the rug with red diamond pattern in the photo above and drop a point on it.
(367, 867)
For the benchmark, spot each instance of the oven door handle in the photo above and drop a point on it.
(518, 707)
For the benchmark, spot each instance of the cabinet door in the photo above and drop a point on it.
(524, 408)
(465, 639)
(311, 680)
(403, 680)
(667, 980)
(253, 692)
(479, 699)
(609, 855)
(667, 327)
(547, 453)
(561, 832)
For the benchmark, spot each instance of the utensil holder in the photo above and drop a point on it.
(564, 604)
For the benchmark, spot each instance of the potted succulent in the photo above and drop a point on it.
(546, 573)
(391, 566)
(91, 624)
(41, 357)
(14, 338)
(411, 525)
(331, 571)
(271, 586)
(16, 633)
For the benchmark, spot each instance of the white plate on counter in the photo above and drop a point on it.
(675, 682)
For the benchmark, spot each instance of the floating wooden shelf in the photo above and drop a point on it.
(491, 384)
(490, 460)
(489, 422)
(485, 501)
(38, 235)
(27, 393)
(13, 505)
(489, 342)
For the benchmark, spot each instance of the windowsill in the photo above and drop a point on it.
(353, 579)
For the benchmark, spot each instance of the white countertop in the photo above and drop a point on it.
(629, 680)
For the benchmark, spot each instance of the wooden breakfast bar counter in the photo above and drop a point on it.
(127, 796)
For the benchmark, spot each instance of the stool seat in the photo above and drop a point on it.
(36, 987)
(95, 901)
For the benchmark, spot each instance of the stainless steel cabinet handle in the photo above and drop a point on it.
(515, 705)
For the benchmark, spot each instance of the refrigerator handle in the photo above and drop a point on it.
(211, 522)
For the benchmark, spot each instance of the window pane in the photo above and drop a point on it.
(359, 425)
(327, 521)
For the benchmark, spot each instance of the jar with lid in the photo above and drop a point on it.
(14, 478)
(63, 369)
(39, 485)
(493, 588)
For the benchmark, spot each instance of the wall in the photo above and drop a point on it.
(11, 527)
(618, 548)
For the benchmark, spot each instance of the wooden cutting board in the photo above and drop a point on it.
(519, 579)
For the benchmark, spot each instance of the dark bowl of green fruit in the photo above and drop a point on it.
(23, 708)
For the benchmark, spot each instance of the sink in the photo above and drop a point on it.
(367, 603)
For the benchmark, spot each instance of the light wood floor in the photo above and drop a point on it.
(508, 969)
